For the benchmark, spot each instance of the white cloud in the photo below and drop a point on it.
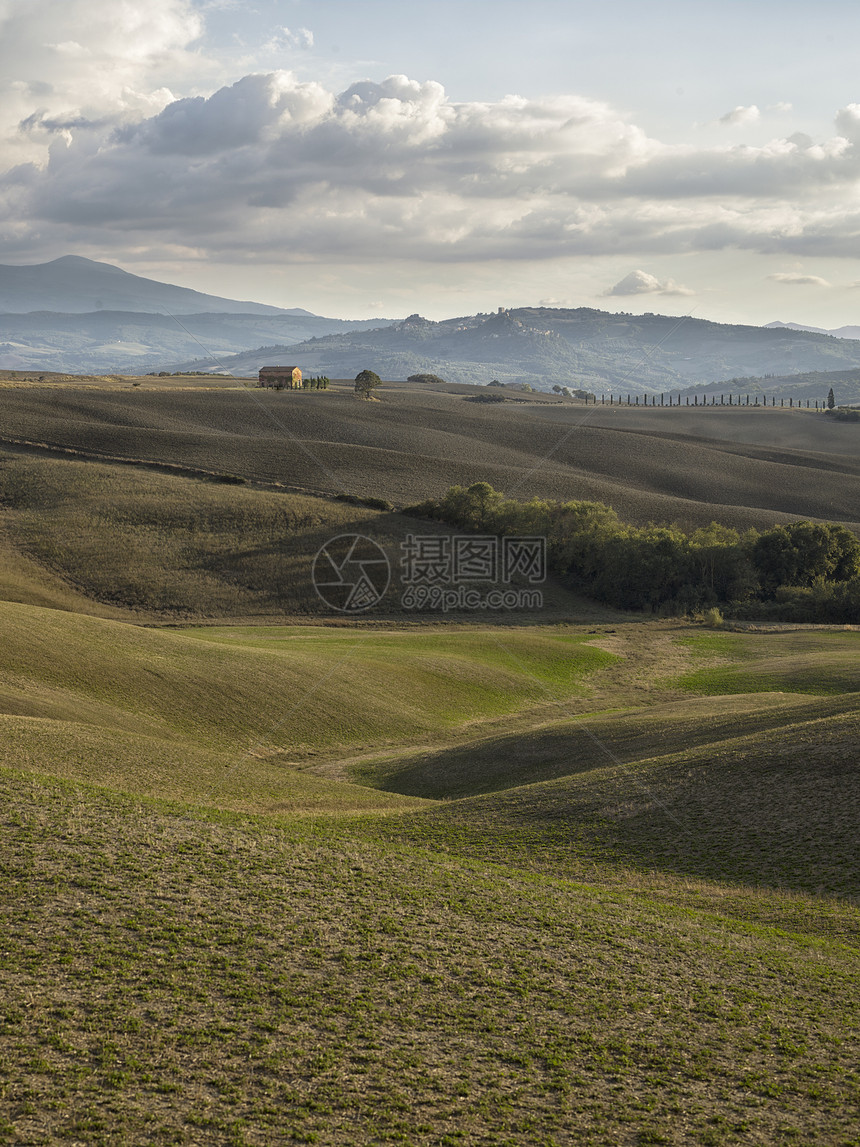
(642, 283)
(274, 168)
(799, 279)
(780, 107)
(741, 115)
(286, 40)
(93, 60)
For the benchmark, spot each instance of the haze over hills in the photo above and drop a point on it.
(572, 347)
(847, 332)
(73, 285)
(129, 342)
(807, 385)
(77, 316)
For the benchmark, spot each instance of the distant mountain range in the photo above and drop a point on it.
(72, 285)
(849, 332)
(79, 316)
(581, 347)
(83, 317)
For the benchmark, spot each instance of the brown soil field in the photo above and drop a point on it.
(743, 467)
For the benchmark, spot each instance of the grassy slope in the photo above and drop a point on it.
(803, 662)
(184, 980)
(154, 544)
(257, 720)
(126, 542)
(739, 783)
(432, 975)
(738, 467)
(160, 711)
(774, 809)
(570, 745)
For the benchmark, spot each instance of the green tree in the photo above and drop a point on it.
(804, 552)
(831, 399)
(721, 566)
(365, 381)
(470, 507)
(643, 568)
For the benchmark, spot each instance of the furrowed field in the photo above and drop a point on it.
(275, 875)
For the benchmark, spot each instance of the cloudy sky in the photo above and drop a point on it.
(379, 158)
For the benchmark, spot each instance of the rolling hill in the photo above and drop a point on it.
(228, 917)
(277, 875)
(744, 467)
(807, 384)
(581, 348)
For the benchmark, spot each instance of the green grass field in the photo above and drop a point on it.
(273, 878)
(817, 663)
(177, 978)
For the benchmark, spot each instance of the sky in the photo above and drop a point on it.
(380, 159)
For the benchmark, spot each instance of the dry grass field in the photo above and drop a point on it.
(135, 543)
(742, 467)
(271, 875)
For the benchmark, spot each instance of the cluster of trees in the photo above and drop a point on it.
(575, 392)
(309, 382)
(431, 378)
(802, 571)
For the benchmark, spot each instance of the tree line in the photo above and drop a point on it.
(803, 571)
(674, 399)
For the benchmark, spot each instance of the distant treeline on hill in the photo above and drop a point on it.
(678, 398)
(805, 571)
(807, 384)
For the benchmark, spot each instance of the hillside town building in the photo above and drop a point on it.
(281, 377)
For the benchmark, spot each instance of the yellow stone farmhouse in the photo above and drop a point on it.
(281, 377)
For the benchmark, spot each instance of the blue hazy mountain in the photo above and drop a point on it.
(581, 347)
(78, 316)
(73, 285)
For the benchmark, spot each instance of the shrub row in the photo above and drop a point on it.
(802, 571)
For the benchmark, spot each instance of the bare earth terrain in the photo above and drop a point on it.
(744, 467)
